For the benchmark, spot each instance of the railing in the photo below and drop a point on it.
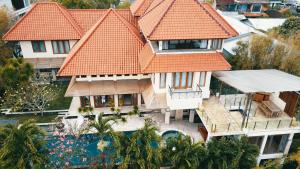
(185, 93)
(271, 124)
(220, 127)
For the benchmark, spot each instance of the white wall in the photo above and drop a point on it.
(169, 80)
(27, 50)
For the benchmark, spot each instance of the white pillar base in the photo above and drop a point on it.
(179, 115)
(192, 116)
(116, 100)
(167, 117)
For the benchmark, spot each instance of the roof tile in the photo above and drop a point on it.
(50, 22)
(183, 19)
(105, 49)
(185, 62)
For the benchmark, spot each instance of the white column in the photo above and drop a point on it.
(92, 101)
(263, 145)
(167, 117)
(192, 115)
(53, 75)
(116, 100)
(139, 101)
(179, 114)
(289, 143)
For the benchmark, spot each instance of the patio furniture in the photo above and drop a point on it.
(270, 109)
(259, 97)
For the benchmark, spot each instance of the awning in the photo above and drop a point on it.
(105, 87)
(253, 81)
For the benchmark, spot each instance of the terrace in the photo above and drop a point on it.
(263, 106)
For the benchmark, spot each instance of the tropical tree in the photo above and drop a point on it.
(241, 154)
(141, 149)
(124, 5)
(22, 146)
(182, 153)
(104, 130)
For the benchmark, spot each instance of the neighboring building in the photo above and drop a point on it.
(160, 56)
(249, 8)
(19, 7)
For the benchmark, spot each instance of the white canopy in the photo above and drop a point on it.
(252, 81)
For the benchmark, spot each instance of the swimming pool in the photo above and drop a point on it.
(170, 134)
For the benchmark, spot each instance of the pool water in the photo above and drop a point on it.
(170, 134)
(81, 151)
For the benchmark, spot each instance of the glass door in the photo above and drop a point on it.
(182, 80)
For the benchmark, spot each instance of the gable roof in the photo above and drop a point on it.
(111, 46)
(181, 62)
(139, 7)
(183, 19)
(60, 24)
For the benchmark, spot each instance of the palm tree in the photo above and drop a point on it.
(296, 157)
(106, 133)
(182, 153)
(142, 148)
(22, 146)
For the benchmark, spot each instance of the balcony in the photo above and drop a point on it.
(224, 115)
(184, 98)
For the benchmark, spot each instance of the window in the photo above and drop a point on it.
(127, 99)
(185, 44)
(162, 80)
(85, 101)
(38, 46)
(182, 80)
(256, 7)
(61, 47)
(216, 44)
(202, 79)
(104, 101)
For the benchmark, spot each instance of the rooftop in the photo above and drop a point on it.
(181, 62)
(188, 19)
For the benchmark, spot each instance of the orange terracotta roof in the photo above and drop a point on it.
(45, 21)
(111, 46)
(184, 62)
(183, 19)
(87, 18)
(140, 6)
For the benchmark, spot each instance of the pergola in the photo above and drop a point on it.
(255, 81)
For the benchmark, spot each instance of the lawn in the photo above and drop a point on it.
(46, 118)
(61, 102)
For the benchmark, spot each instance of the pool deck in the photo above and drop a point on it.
(134, 122)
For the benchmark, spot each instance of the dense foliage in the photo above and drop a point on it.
(22, 146)
(263, 53)
(142, 149)
(88, 4)
(290, 26)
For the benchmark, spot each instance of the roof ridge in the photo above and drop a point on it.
(140, 5)
(201, 5)
(151, 60)
(84, 39)
(129, 26)
(19, 21)
(146, 12)
(215, 11)
(164, 14)
(73, 22)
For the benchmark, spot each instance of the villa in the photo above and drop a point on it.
(160, 55)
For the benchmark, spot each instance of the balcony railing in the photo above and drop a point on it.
(185, 93)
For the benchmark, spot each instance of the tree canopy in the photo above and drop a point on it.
(265, 53)
(88, 4)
